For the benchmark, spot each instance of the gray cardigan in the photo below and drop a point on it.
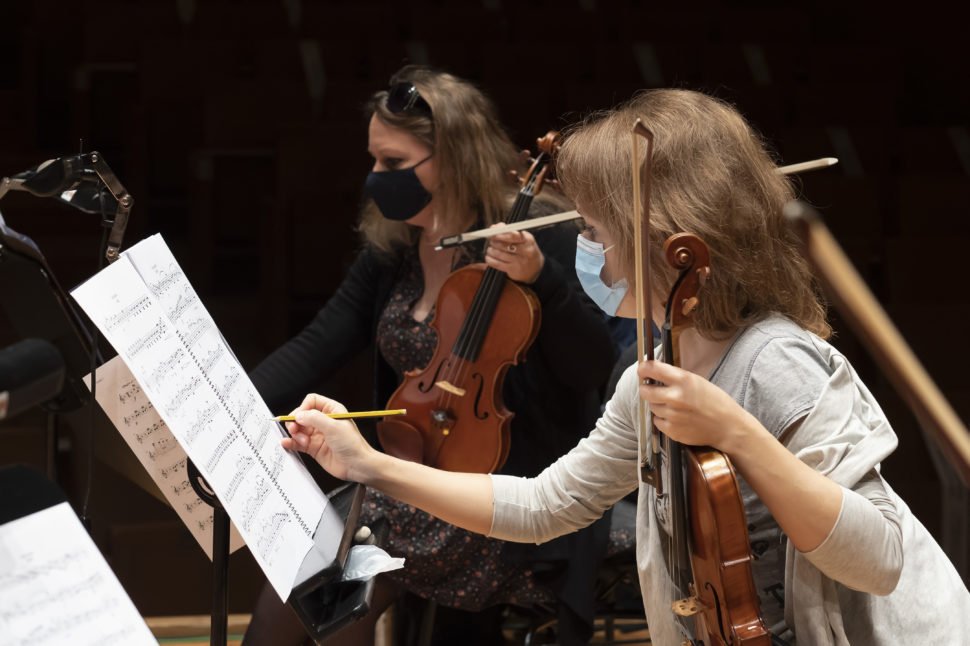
(878, 578)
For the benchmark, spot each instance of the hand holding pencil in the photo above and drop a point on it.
(359, 414)
(322, 428)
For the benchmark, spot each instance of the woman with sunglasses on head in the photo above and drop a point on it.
(839, 557)
(441, 167)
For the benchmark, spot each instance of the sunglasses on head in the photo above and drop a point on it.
(404, 97)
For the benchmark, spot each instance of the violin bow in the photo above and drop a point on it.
(565, 216)
(649, 458)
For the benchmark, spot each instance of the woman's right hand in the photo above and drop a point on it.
(336, 444)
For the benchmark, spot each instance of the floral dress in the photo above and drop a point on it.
(442, 562)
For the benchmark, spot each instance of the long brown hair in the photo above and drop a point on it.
(711, 176)
(473, 152)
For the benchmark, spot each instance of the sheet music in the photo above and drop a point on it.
(150, 439)
(56, 588)
(146, 308)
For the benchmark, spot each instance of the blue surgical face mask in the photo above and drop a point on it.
(398, 193)
(590, 259)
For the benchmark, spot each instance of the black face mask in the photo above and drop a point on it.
(398, 193)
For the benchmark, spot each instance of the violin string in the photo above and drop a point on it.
(481, 311)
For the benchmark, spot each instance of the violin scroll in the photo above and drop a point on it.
(689, 255)
(540, 169)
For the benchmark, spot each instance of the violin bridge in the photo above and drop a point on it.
(687, 607)
(449, 388)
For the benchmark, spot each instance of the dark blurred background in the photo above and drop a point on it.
(236, 126)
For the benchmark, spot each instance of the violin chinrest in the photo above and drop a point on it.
(400, 439)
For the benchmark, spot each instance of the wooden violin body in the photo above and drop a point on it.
(720, 551)
(708, 509)
(456, 417)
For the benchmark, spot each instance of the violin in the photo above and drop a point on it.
(456, 418)
(709, 555)
(707, 512)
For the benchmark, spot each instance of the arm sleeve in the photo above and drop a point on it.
(841, 432)
(341, 329)
(580, 486)
(574, 338)
(864, 550)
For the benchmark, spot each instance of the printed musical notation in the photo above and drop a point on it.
(182, 305)
(140, 304)
(147, 341)
(195, 329)
(136, 413)
(159, 452)
(245, 407)
(202, 421)
(216, 456)
(173, 470)
(243, 467)
(161, 447)
(128, 391)
(269, 542)
(147, 433)
(254, 502)
(166, 279)
(176, 353)
(165, 368)
(56, 588)
(211, 358)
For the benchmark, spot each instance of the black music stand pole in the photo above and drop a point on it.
(218, 628)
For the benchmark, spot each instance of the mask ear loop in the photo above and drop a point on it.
(420, 162)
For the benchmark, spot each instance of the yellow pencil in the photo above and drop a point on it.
(364, 413)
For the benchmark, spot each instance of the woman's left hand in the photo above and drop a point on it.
(692, 410)
(517, 254)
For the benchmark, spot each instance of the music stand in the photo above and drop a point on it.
(323, 602)
(37, 306)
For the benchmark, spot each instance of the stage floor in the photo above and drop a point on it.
(192, 630)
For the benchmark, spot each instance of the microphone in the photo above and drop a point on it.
(71, 180)
(90, 197)
(52, 177)
(31, 373)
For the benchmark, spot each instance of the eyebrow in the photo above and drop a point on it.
(388, 151)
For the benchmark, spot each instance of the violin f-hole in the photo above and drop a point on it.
(424, 387)
(479, 414)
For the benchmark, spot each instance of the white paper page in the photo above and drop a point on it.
(56, 588)
(150, 439)
(146, 308)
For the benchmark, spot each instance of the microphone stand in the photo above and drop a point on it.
(81, 181)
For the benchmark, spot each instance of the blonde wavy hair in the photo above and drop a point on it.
(473, 152)
(711, 176)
